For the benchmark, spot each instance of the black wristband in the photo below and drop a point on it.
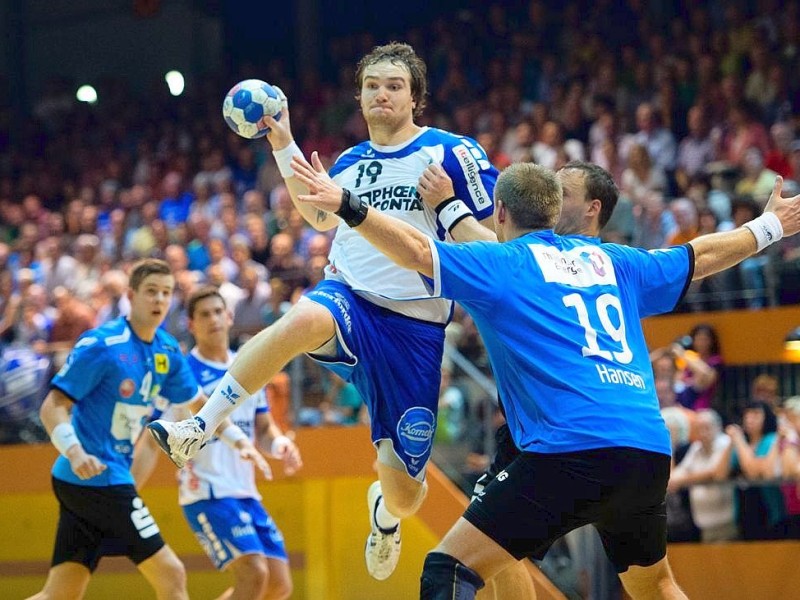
(353, 210)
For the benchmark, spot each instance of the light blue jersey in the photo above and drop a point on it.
(113, 377)
(560, 320)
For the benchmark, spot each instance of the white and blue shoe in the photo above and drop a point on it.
(181, 440)
(383, 547)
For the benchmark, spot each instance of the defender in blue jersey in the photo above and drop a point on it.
(94, 413)
(560, 320)
(370, 321)
(217, 488)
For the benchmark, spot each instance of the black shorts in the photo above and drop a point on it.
(537, 498)
(102, 521)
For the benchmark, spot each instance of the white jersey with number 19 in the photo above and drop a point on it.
(386, 177)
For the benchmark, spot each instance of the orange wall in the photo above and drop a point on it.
(746, 337)
(322, 513)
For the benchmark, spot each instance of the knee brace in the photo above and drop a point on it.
(445, 578)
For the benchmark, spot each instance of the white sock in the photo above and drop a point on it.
(228, 395)
(383, 518)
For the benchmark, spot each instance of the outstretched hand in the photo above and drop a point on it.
(284, 449)
(251, 453)
(323, 192)
(786, 209)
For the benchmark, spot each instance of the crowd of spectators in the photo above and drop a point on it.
(693, 107)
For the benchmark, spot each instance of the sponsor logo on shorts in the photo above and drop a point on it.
(142, 519)
(126, 388)
(415, 431)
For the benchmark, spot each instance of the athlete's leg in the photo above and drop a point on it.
(393, 497)
(461, 563)
(306, 327)
(165, 572)
(651, 583)
(66, 581)
(279, 586)
(402, 494)
(512, 583)
(250, 577)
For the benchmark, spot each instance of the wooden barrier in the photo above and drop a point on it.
(747, 336)
(322, 513)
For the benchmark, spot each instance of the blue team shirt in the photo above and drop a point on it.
(113, 377)
(560, 320)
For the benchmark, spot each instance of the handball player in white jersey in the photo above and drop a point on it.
(217, 488)
(370, 321)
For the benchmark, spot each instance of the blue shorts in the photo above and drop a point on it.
(229, 527)
(395, 363)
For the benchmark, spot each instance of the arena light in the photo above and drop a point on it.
(792, 340)
(86, 93)
(175, 82)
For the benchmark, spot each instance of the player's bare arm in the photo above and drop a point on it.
(718, 251)
(283, 146)
(403, 244)
(55, 414)
(435, 187)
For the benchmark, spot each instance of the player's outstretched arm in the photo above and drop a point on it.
(400, 242)
(716, 252)
(283, 149)
(436, 189)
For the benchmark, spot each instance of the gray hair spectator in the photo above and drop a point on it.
(705, 464)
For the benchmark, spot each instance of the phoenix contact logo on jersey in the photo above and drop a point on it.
(393, 197)
(583, 267)
(471, 161)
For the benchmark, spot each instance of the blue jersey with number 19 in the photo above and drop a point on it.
(560, 320)
(386, 177)
(113, 377)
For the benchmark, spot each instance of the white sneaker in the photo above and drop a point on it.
(181, 440)
(383, 548)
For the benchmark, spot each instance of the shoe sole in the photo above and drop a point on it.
(160, 435)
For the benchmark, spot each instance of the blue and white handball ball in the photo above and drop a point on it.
(247, 102)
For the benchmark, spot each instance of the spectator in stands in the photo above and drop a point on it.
(285, 263)
(641, 177)
(680, 526)
(789, 453)
(757, 180)
(702, 364)
(761, 507)
(248, 312)
(73, 318)
(114, 284)
(659, 141)
(743, 132)
(706, 463)
(777, 160)
(653, 222)
(684, 211)
(765, 388)
(696, 150)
